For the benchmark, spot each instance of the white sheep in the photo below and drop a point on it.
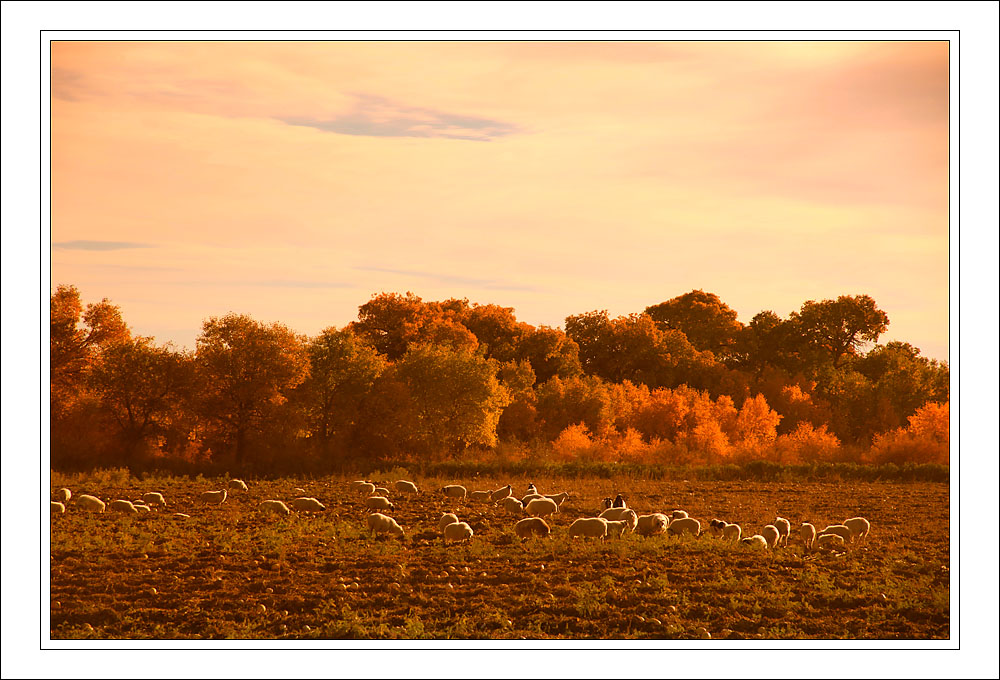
(589, 527)
(181, 515)
(381, 491)
(650, 525)
(532, 489)
(237, 485)
(403, 486)
(446, 519)
(213, 497)
(56, 507)
(618, 502)
(859, 527)
(715, 526)
(831, 542)
(732, 532)
(480, 496)
(559, 498)
(383, 524)
(458, 531)
(838, 529)
(541, 507)
(454, 491)
(142, 507)
(684, 525)
(277, 507)
(357, 484)
(501, 493)
(531, 526)
(64, 495)
(307, 504)
(365, 488)
(512, 505)
(154, 498)
(379, 503)
(617, 527)
(755, 541)
(784, 529)
(678, 514)
(771, 535)
(530, 497)
(627, 515)
(122, 505)
(807, 532)
(90, 503)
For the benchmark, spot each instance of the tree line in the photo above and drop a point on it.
(681, 382)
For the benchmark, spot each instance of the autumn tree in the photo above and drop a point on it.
(579, 399)
(840, 327)
(902, 380)
(550, 352)
(391, 322)
(708, 323)
(246, 370)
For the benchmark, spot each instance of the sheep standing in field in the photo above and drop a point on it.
(403, 486)
(784, 528)
(154, 498)
(365, 488)
(454, 491)
(589, 527)
(381, 491)
(684, 525)
(807, 532)
(716, 526)
(771, 534)
(512, 505)
(63, 495)
(90, 503)
(559, 498)
(379, 503)
(732, 532)
(357, 484)
(277, 507)
(479, 496)
(651, 525)
(678, 514)
(617, 527)
(755, 541)
(531, 489)
(457, 531)
(213, 497)
(306, 504)
(839, 530)
(531, 526)
(626, 515)
(121, 505)
(859, 527)
(541, 507)
(142, 507)
(530, 497)
(56, 507)
(237, 485)
(383, 524)
(446, 519)
(501, 493)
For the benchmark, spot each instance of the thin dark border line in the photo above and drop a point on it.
(626, 648)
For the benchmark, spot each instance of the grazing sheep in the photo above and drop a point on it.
(501, 493)
(454, 491)
(121, 505)
(755, 541)
(617, 527)
(650, 525)
(56, 507)
(379, 503)
(531, 526)
(771, 534)
(383, 524)
(381, 491)
(732, 532)
(90, 503)
(365, 488)
(64, 495)
(716, 526)
(684, 525)
(559, 498)
(859, 527)
(357, 484)
(480, 496)
(531, 488)
(512, 505)
(784, 528)
(458, 531)
(807, 532)
(154, 498)
(541, 507)
(237, 485)
(619, 502)
(589, 527)
(141, 507)
(277, 507)
(306, 504)
(621, 514)
(181, 515)
(831, 542)
(213, 497)
(838, 529)
(530, 497)
(403, 486)
(678, 514)
(446, 519)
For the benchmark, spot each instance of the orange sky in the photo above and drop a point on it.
(292, 180)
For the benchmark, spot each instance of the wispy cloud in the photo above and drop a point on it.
(488, 284)
(99, 245)
(374, 116)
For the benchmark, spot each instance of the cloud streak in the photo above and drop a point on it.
(99, 245)
(487, 284)
(374, 116)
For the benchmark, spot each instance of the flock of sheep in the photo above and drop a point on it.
(615, 519)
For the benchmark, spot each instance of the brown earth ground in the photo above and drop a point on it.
(231, 572)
